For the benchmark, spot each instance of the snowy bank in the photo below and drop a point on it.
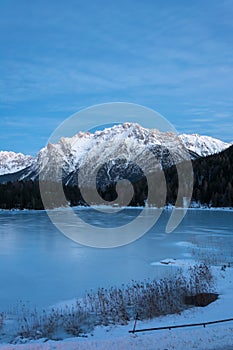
(119, 338)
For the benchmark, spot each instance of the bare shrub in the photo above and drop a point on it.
(200, 279)
(39, 325)
(76, 321)
(146, 299)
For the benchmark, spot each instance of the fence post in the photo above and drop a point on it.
(135, 323)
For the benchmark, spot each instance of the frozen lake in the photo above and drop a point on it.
(40, 265)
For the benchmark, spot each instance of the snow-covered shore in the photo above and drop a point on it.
(118, 338)
(194, 206)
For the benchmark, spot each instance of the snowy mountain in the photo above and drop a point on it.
(11, 162)
(114, 150)
(203, 145)
(111, 154)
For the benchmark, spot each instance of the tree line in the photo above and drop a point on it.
(213, 186)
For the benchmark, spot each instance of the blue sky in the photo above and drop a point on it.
(58, 57)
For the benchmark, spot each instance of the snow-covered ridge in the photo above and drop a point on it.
(11, 162)
(76, 147)
(203, 145)
(126, 141)
(129, 140)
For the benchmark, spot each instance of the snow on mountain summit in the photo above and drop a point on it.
(11, 162)
(128, 141)
(203, 145)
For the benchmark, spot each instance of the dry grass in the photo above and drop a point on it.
(147, 299)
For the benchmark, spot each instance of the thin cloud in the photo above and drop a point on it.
(171, 57)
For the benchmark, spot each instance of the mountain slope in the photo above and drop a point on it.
(111, 154)
(11, 162)
(203, 145)
(116, 152)
(213, 186)
(213, 180)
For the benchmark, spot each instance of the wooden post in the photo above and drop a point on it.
(135, 323)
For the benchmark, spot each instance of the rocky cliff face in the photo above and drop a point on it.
(122, 151)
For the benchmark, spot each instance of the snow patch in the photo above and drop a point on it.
(11, 162)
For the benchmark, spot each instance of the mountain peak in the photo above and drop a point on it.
(203, 145)
(126, 141)
(11, 162)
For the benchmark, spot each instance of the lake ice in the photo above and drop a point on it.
(41, 266)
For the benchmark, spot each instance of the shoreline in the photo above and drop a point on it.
(109, 207)
(118, 337)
